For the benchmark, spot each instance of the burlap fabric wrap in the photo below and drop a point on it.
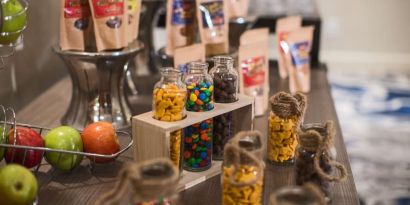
(309, 192)
(285, 105)
(145, 181)
(318, 138)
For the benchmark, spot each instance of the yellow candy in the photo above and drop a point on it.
(175, 149)
(170, 101)
(211, 88)
(193, 97)
(281, 139)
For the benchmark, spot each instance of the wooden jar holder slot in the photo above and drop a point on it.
(151, 136)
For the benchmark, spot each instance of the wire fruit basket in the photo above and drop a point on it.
(8, 122)
(7, 50)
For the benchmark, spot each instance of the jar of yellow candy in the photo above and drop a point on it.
(242, 171)
(286, 115)
(168, 104)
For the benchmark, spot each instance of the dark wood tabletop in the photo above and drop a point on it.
(83, 186)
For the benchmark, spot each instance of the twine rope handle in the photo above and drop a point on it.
(142, 188)
(233, 152)
(313, 141)
(285, 105)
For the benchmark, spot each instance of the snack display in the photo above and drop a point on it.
(200, 88)
(286, 115)
(314, 162)
(198, 146)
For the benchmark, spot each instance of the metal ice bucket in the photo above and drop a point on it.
(97, 80)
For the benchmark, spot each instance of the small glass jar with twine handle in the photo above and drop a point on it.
(308, 194)
(152, 182)
(242, 172)
(285, 117)
(314, 161)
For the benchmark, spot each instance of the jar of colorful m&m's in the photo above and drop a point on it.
(168, 104)
(200, 88)
(225, 80)
(198, 146)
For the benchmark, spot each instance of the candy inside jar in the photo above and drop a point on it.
(285, 117)
(223, 132)
(200, 88)
(198, 146)
(225, 79)
(169, 98)
(242, 177)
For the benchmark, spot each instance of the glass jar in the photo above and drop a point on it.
(169, 98)
(308, 194)
(200, 88)
(242, 177)
(225, 79)
(314, 161)
(286, 115)
(198, 146)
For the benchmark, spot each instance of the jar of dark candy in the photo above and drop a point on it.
(314, 161)
(225, 79)
(200, 88)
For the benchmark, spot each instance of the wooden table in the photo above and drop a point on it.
(82, 187)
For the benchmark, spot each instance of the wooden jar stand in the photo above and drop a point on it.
(151, 136)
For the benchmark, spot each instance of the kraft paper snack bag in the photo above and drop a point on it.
(75, 25)
(181, 24)
(238, 8)
(253, 67)
(283, 27)
(110, 21)
(299, 43)
(133, 11)
(184, 55)
(213, 22)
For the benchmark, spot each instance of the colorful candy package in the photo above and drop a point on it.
(297, 48)
(213, 26)
(238, 8)
(110, 21)
(283, 27)
(75, 25)
(184, 55)
(253, 67)
(133, 11)
(181, 24)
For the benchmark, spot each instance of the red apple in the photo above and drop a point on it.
(100, 138)
(26, 137)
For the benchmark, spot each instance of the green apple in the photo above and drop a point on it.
(63, 138)
(18, 186)
(16, 23)
(3, 140)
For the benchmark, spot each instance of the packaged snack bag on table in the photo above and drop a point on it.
(283, 27)
(299, 44)
(238, 8)
(184, 55)
(76, 27)
(253, 67)
(213, 26)
(133, 11)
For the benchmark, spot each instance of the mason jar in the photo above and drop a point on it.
(225, 79)
(242, 172)
(169, 98)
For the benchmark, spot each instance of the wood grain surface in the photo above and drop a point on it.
(83, 186)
